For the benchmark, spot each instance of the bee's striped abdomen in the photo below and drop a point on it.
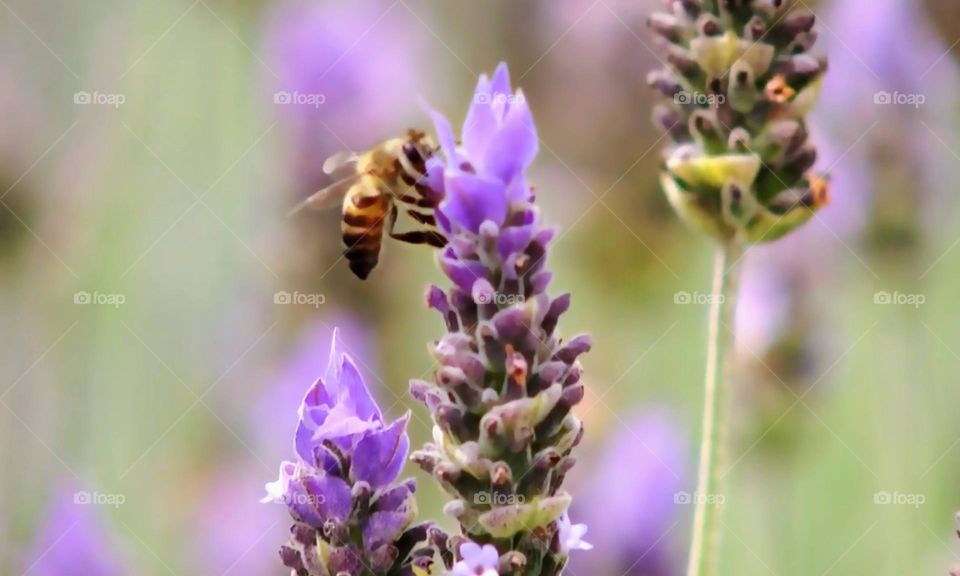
(362, 230)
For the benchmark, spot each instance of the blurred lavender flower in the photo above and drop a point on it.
(501, 400)
(644, 465)
(333, 61)
(74, 539)
(868, 63)
(350, 516)
(246, 548)
(901, 97)
(778, 315)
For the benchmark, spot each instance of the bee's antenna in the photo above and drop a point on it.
(300, 206)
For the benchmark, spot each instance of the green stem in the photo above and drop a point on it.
(708, 497)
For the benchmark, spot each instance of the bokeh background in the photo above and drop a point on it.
(149, 378)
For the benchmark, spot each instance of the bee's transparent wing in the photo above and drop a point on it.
(338, 161)
(327, 198)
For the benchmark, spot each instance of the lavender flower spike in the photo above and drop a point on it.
(351, 516)
(501, 400)
(741, 80)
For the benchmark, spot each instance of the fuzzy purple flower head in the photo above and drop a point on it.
(351, 515)
(486, 174)
(339, 410)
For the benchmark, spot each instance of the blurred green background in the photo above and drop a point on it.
(147, 163)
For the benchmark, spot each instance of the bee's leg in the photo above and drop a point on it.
(418, 202)
(425, 219)
(423, 190)
(430, 237)
(392, 219)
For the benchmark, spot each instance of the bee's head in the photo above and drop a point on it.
(417, 149)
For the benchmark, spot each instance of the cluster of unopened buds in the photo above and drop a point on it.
(740, 80)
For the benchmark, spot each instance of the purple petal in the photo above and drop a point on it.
(580, 344)
(540, 281)
(341, 423)
(357, 394)
(303, 440)
(489, 556)
(463, 272)
(501, 80)
(315, 499)
(480, 123)
(437, 299)
(434, 178)
(338, 424)
(443, 221)
(512, 324)
(345, 560)
(518, 190)
(545, 235)
(472, 199)
(445, 136)
(278, 488)
(514, 239)
(558, 306)
(331, 378)
(383, 528)
(316, 396)
(470, 551)
(380, 455)
(515, 144)
(395, 498)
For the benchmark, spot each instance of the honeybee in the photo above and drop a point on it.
(391, 172)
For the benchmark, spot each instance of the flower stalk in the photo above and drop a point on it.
(739, 80)
(706, 530)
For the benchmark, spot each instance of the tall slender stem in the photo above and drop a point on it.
(708, 497)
